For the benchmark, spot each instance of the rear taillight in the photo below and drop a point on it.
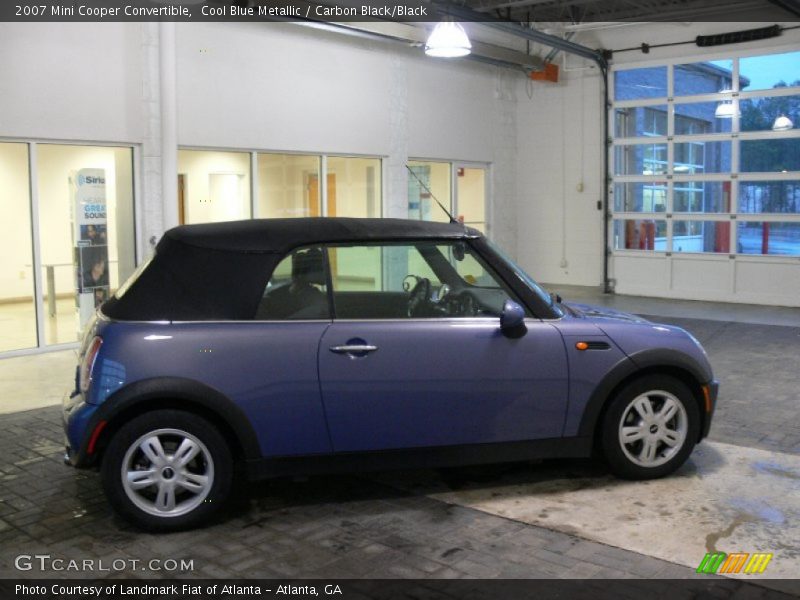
(85, 377)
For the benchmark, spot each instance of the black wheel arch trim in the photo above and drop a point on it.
(180, 392)
(638, 362)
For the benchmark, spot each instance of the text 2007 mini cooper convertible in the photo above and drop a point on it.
(301, 346)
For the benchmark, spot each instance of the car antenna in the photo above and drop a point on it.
(427, 189)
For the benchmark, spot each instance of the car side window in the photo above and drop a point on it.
(426, 279)
(297, 288)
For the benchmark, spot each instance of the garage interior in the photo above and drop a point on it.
(697, 224)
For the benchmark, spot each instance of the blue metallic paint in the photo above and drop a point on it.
(442, 382)
(431, 383)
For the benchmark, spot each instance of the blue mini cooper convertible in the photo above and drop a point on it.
(298, 346)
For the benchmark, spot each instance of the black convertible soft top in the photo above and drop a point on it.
(218, 271)
(281, 235)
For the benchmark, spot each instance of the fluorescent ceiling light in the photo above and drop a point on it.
(782, 123)
(448, 40)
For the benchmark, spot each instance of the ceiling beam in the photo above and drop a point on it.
(790, 6)
(518, 30)
(417, 36)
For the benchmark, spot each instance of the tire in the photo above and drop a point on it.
(656, 443)
(167, 470)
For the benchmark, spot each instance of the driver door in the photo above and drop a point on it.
(446, 375)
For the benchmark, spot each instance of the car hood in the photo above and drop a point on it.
(602, 313)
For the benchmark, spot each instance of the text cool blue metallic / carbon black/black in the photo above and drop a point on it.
(299, 346)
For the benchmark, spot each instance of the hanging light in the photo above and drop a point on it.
(448, 40)
(725, 108)
(782, 123)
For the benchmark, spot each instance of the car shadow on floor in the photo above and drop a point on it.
(254, 504)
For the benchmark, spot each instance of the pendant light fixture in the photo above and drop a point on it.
(725, 108)
(782, 123)
(448, 40)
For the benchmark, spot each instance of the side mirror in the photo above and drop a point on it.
(512, 321)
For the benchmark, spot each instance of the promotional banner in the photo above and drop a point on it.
(90, 237)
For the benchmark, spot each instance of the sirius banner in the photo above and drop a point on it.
(90, 235)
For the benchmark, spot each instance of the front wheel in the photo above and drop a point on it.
(650, 428)
(167, 470)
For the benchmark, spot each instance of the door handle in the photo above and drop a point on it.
(353, 349)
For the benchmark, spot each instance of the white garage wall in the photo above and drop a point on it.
(560, 236)
(281, 87)
(561, 232)
(286, 88)
(71, 81)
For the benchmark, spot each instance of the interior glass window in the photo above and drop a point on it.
(701, 236)
(770, 71)
(707, 77)
(640, 121)
(640, 234)
(297, 288)
(634, 84)
(765, 237)
(414, 280)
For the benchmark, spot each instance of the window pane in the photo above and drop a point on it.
(702, 196)
(698, 118)
(354, 187)
(701, 236)
(87, 230)
(288, 185)
(640, 197)
(17, 308)
(640, 234)
(769, 196)
(702, 157)
(772, 70)
(772, 113)
(638, 121)
(640, 159)
(632, 84)
(297, 288)
(428, 182)
(769, 238)
(770, 156)
(703, 78)
(471, 195)
(420, 280)
(213, 186)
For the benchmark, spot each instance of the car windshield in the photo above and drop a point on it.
(527, 279)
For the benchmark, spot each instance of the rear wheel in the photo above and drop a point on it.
(650, 428)
(167, 470)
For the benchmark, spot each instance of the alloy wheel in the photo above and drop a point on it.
(167, 472)
(653, 428)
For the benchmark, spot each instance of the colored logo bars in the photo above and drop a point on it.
(736, 562)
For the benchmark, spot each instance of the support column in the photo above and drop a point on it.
(396, 188)
(169, 123)
(151, 208)
(502, 210)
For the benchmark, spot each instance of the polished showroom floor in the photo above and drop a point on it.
(738, 492)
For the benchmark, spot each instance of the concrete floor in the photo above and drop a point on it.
(18, 324)
(557, 519)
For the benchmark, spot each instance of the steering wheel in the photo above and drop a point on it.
(420, 297)
(467, 306)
